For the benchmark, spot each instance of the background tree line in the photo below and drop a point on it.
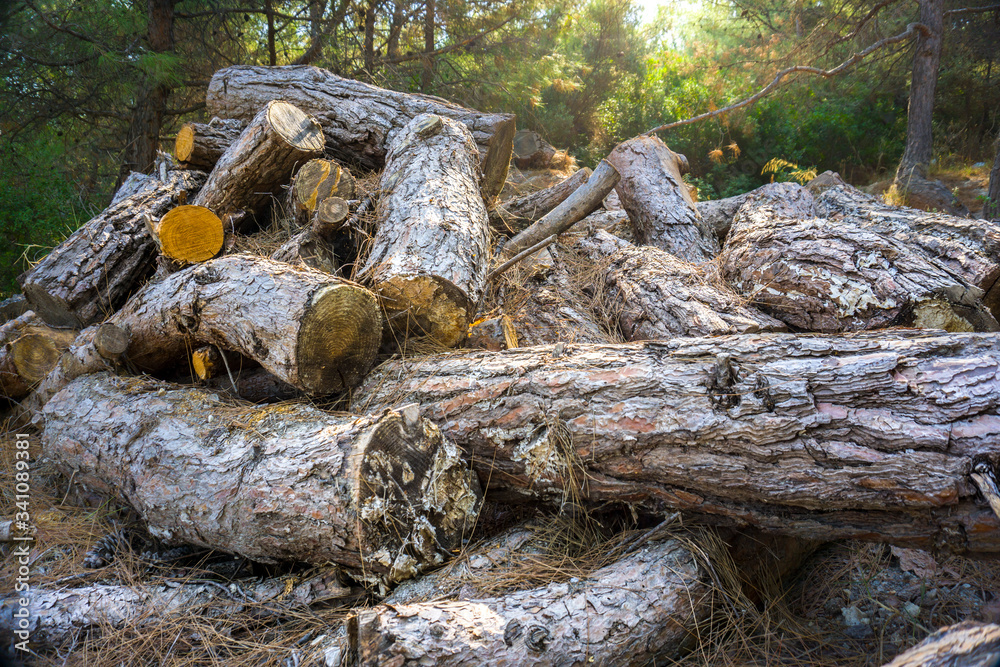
(90, 89)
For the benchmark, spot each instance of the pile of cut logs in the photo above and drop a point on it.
(801, 362)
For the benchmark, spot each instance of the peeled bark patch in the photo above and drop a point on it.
(311, 330)
(429, 257)
(385, 496)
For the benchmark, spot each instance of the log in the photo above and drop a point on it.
(658, 202)
(92, 273)
(830, 276)
(968, 249)
(315, 182)
(495, 163)
(29, 350)
(718, 214)
(531, 151)
(966, 644)
(581, 203)
(515, 214)
(653, 295)
(188, 234)
(316, 246)
(278, 139)
(359, 120)
(385, 496)
(430, 253)
(12, 385)
(315, 332)
(820, 437)
(200, 145)
(13, 307)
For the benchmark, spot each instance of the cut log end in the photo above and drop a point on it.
(184, 144)
(111, 341)
(331, 214)
(190, 234)
(34, 355)
(295, 126)
(338, 338)
(316, 181)
(426, 305)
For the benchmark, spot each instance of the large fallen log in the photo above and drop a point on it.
(826, 275)
(91, 274)
(385, 496)
(314, 331)
(658, 202)
(652, 294)
(279, 139)
(431, 250)
(966, 644)
(359, 119)
(200, 145)
(515, 214)
(868, 436)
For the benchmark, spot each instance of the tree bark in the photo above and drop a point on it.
(815, 437)
(89, 275)
(514, 215)
(277, 141)
(652, 295)
(966, 644)
(311, 330)
(314, 182)
(831, 276)
(923, 83)
(384, 496)
(658, 202)
(718, 214)
(431, 250)
(358, 119)
(200, 145)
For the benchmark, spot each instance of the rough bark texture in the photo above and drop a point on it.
(200, 145)
(967, 644)
(653, 295)
(658, 202)
(278, 140)
(923, 83)
(869, 436)
(968, 249)
(385, 496)
(311, 330)
(358, 119)
(431, 250)
(829, 276)
(515, 214)
(628, 613)
(91, 274)
(718, 214)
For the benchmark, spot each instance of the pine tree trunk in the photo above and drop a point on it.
(923, 84)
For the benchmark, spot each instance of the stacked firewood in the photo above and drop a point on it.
(803, 362)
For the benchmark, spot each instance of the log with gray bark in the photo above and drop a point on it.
(870, 436)
(29, 350)
(359, 120)
(652, 294)
(658, 202)
(91, 274)
(515, 214)
(967, 644)
(200, 145)
(826, 275)
(385, 495)
(431, 251)
(314, 331)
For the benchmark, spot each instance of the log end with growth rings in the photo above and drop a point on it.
(298, 129)
(190, 234)
(426, 305)
(184, 143)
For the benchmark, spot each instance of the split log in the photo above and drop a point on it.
(91, 274)
(645, 605)
(830, 276)
(263, 158)
(314, 183)
(966, 644)
(967, 248)
(360, 120)
(200, 145)
(658, 202)
(311, 330)
(866, 437)
(653, 295)
(385, 496)
(431, 250)
(188, 234)
(515, 214)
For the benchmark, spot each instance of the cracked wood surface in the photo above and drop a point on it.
(870, 436)
(385, 495)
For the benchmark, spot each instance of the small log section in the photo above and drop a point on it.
(495, 163)
(531, 151)
(658, 202)
(431, 251)
(278, 140)
(832, 276)
(653, 295)
(386, 496)
(312, 330)
(515, 214)
(870, 436)
(188, 234)
(315, 182)
(966, 644)
(315, 246)
(91, 274)
(359, 119)
(200, 145)
(29, 350)
(645, 605)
